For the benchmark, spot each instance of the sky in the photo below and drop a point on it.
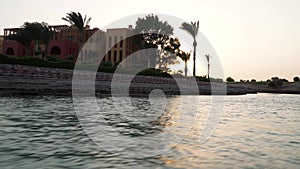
(253, 39)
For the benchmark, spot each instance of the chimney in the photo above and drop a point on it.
(130, 27)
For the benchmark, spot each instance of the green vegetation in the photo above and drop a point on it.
(34, 61)
(154, 72)
(296, 79)
(33, 32)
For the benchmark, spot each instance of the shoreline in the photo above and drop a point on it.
(20, 80)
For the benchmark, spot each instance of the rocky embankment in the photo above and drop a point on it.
(27, 80)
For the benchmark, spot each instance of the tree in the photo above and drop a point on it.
(208, 64)
(229, 79)
(46, 37)
(192, 29)
(296, 79)
(275, 82)
(185, 57)
(154, 33)
(28, 33)
(33, 32)
(24, 38)
(80, 23)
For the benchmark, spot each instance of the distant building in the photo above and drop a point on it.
(67, 41)
(124, 45)
(11, 47)
(1, 43)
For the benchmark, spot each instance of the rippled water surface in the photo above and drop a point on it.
(254, 131)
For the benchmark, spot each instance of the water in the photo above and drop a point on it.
(255, 131)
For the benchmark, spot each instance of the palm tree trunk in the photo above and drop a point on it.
(185, 69)
(27, 50)
(208, 70)
(194, 58)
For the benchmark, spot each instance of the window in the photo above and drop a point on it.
(121, 55)
(115, 56)
(109, 42)
(109, 56)
(116, 40)
(70, 38)
(121, 41)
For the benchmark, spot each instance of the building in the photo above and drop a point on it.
(13, 48)
(115, 44)
(1, 44)
(119, 45)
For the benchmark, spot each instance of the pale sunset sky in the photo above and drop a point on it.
(253, 38)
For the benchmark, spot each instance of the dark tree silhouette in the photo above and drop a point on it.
(192, 29)
(185, 57)
(33, 32)
(208, 64)
(156, 34)
(24, 38)
(229, 79)
(28, 33)
(275, 82)
(296, 79)
(46, 37)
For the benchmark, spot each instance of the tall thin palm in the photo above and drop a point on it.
(76, 19)
(185, 57)
(46, 37)
(208, 64)
(192, 28)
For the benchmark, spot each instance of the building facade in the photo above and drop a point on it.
(114, 44)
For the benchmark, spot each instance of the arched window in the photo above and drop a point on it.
(55, 50)
(109, 56)
(109, 42)
(115, 56)
(116, 40)
(121, 41)
(10, 51)
(121, 55)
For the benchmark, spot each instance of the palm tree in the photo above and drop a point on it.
(208, 64)
(76, 19)
(192, 29)
(46, 37)
(185, 57)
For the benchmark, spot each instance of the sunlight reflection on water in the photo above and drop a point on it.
(256, 131)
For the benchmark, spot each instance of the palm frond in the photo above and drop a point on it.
(188, 28)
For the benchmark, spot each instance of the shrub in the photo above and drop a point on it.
(52, 58)
(154, 72)
(296, 79)
(71, 58)
(106, 64)
(229, 79)
(275, 82)
(33, 61)
(253, 81)
(202, 79)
